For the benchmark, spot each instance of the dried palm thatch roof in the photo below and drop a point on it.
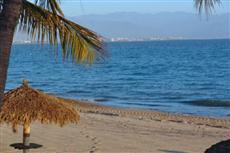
(26, 105)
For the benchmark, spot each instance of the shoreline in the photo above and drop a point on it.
(89, 107)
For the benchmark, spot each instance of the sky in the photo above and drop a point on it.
(82, 7)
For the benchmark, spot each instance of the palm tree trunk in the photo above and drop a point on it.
(8, 22)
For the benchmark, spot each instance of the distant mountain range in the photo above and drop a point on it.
(136, 25)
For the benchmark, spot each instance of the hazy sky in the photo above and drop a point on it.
(80, 7)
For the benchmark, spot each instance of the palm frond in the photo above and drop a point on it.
(51, 5)
(78, 43)
(1, 5)
(206, 5)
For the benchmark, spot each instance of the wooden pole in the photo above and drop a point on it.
(26, 137)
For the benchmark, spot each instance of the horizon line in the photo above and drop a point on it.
(155, 13)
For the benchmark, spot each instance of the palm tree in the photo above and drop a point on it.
(207, 5)
(44, 20)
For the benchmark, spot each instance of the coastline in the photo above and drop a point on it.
(105, 129)
(89, 107)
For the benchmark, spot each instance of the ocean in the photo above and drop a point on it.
(184, 76)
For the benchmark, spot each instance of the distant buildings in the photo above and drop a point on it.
(123, 39)
(27, 42)
(22, 42)
(117, 39)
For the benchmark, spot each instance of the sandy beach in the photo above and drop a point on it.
(112, 130)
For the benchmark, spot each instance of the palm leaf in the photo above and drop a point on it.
(1, 5)
(207, 5)
(78, 43)
(51, 5)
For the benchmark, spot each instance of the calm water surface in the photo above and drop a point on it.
(191, 77)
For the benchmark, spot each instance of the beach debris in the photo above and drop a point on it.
(25, 105)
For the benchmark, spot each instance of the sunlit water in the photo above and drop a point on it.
(191, 77)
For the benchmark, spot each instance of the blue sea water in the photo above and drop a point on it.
(188, 77)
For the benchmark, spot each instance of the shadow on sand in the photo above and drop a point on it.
(220, 147)
(21, 146)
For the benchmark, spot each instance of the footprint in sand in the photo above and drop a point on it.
(87, 136)
(95, 141)
(93, 149)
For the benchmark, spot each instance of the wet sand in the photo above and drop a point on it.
(110, 130)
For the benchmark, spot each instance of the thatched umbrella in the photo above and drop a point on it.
(25, 105)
